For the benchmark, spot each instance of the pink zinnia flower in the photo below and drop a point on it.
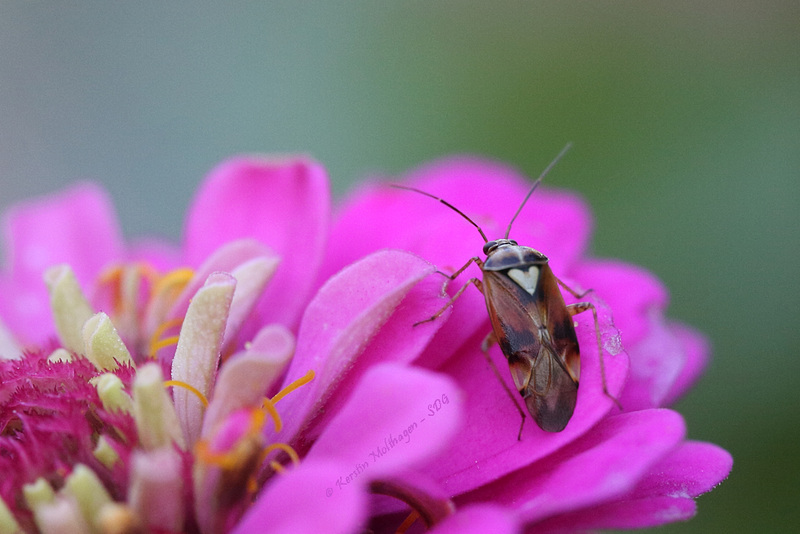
(315, 419)
(607, 469)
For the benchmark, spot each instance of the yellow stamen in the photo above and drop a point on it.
(184, 385)
(156, 343)
(110, 274)
(269, 407)
(166, 342)
(285, 448)
(302, 381)
(174, 280)
(235, 459)
(257, 418)
(278, 468)
(232, 459)
(410, 520)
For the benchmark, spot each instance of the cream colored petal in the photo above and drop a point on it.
(70, 308)
(251, 279)
(156, 420)
(198, 351)
(156, 487)
(102, 344)
(83, 486)
(247, 376)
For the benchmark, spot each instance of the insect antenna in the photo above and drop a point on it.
(473, 223)
(535, 185)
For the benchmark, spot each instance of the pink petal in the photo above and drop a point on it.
(396, 495)
(663, 364)
(656, 363)
(227, 258)
(160, 254)
(246, 377)
(690, 470)
(395, 417)
(637, 513)
(487, 447)
(380, 217)
(156, 480)
(665, 359)
(478, 519)
(253, 265)
(388, 218)
(362, 316)
(629, 290)
(697, 349)
(557, 223)
(664, 495)
(467, 318)
(384, 428)
(302, 501)
(284, 204)
(605, 464)
(251, 279)
(76, 226)
(376, 217)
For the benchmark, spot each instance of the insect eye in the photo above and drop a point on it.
(489, 246)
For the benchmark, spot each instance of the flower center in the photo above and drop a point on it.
(142, 303)
(95, 436)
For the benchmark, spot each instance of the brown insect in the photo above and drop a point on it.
(530, 321)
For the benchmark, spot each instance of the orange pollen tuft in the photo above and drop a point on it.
(223, 460)
(113, 277)
(236, 458)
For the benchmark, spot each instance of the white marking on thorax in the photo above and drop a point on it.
(525, 280)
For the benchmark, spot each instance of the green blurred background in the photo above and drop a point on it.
(685, 119)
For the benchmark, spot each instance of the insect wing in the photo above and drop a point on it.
(560, 323)
(527, 324)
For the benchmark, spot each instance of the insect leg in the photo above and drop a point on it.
(488, 341)
(579, 307)
(453, 276)
(452, 300)
(474, 259)
(572, 291)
